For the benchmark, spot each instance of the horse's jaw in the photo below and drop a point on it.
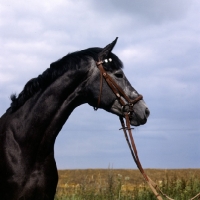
(138, 117)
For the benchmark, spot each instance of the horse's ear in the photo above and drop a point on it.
(107, 50)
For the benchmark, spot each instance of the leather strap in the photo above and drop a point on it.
(130, 141)
(100, 89)
(115, 88)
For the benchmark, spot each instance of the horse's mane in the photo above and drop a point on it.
(69, 62)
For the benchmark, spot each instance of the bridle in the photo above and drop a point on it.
(127, 109)
(120, 94)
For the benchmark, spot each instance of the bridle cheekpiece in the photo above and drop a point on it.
(120, 94)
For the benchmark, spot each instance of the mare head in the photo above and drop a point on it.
(106, 98)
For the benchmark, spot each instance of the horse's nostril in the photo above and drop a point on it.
(147, 112)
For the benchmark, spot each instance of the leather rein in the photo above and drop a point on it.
(127, 115)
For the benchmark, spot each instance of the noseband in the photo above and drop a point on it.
(120, 94)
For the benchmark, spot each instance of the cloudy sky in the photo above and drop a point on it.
(159, 44)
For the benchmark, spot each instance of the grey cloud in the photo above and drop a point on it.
(153, 11)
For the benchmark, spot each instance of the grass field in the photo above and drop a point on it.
(123, 184)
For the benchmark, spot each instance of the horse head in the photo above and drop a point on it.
(110, 99)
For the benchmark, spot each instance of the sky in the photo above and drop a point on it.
(159, 44)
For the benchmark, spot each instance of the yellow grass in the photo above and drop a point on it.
(72, 180)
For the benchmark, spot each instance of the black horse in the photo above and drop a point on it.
(31, 124)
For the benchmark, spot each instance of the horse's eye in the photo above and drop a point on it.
(119, 75)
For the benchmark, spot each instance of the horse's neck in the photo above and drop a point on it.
(40, 119)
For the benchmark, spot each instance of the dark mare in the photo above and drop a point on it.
(31, 124)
